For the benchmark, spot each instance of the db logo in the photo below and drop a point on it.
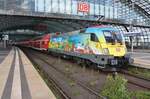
(83, 7)
(118, 49)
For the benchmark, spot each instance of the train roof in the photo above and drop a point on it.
(97, 26)
(102, 27)
(41, 37)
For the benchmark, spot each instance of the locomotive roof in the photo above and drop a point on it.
(102, 27)
(98, 26)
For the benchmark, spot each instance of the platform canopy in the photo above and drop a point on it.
(27, 14)
(47, 16)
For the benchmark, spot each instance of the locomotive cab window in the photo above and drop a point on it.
(93, 37)
(113, 36)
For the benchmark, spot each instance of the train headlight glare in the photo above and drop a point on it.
(105, 51)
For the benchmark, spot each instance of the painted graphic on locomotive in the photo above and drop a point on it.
(93, 40)
(101, 45)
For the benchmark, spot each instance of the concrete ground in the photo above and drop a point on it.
(3, 53)
(19, 79)
(141, 59)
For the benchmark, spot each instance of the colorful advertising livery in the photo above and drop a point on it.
(93, 40)
(100, 45)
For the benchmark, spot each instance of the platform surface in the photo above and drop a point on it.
(141, 59)
(3, 54)
(20, 80)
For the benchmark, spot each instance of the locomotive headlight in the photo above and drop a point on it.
(105, 51)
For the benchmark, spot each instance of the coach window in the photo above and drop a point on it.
(94, 37)
(43, 42)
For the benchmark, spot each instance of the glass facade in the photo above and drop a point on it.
(17, 5)
(127, 11)
(135, 12)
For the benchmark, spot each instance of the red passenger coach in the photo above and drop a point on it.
(41, 42)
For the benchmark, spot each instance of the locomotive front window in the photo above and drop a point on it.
(118, 36)
(108, 37)
(113, 36)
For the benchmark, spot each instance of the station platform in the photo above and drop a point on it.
(141, 59)
(3, 53)
(20, 80)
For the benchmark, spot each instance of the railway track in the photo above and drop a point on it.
(139, 81)
(81, 84)
(55, 86)
(124, 71)
(136, 80)
(133, 80)
(53, 83)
